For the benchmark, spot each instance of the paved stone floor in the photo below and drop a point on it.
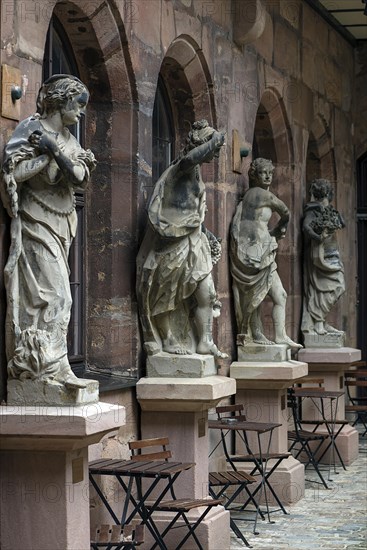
(334, 519)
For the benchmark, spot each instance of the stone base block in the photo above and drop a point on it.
(213, 533)
(347, 443)
(288, 481)
(329, 357)
(261, 352)
(44, 473)
(329, 340)
(183, 394)
(38, 392)
(267, 374)
(165, 364)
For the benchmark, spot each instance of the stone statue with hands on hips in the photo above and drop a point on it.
(252, 259)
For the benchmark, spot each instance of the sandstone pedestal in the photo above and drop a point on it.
(178, 408)
(44, 473)
(330, 364)
(262, 389)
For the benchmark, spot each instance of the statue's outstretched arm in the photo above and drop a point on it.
(202, 152)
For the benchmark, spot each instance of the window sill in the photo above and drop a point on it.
(107, 381)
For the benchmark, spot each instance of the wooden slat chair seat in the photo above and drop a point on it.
(181, 507)
(230, 478)
(237, 411)
(304, 438)
(220, 482)
(117, 537)
(357, 404)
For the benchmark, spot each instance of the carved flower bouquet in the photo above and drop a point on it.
(328, 220)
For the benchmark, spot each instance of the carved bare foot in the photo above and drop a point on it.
(329, 328)
(204, 348)
(288, 342)
(170, 345)
(260, 338)
(319, 328)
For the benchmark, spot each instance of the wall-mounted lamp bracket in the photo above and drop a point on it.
(16, 93)
(11, 92)
(239, 151)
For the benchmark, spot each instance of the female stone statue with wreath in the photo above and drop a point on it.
(43, 165)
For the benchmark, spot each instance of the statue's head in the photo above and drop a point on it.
(257, 167)
(57, 91)
(200, 133)
(321, 189)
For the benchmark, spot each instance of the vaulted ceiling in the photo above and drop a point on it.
(349, 15)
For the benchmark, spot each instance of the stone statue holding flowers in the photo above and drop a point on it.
(323, 268)
(43, 166)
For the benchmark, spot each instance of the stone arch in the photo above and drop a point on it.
(272, 135)
(320, 158)
(189, 84)
(97, 36)
(273, 140)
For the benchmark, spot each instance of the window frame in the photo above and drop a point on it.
(162, 118)
(77, 327)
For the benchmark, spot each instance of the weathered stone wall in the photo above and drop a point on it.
(292, 87)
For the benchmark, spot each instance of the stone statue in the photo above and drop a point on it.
(43, 165)
(252, 259)
(176, 294)
(323, 268)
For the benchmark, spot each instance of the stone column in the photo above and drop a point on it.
(330, 364)
(262, 388)
(44, 473)
(177, 407)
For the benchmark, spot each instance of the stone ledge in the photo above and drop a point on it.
(183, 394)
(267, 375)
(36, 427)
(329, 355)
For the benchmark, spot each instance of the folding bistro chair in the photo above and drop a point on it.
(259, 462)
(179, 507)
(222, 484)
(304, 438)
(357, 403)
(117, 537)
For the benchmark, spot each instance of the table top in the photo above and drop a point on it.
(148, 468)
(245, 425)
(316, 393)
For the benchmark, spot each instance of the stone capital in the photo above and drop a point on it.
(44, 428)
(267, 375)
(183, 394)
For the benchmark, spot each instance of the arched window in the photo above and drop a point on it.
(59, 58)
(163, 131)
